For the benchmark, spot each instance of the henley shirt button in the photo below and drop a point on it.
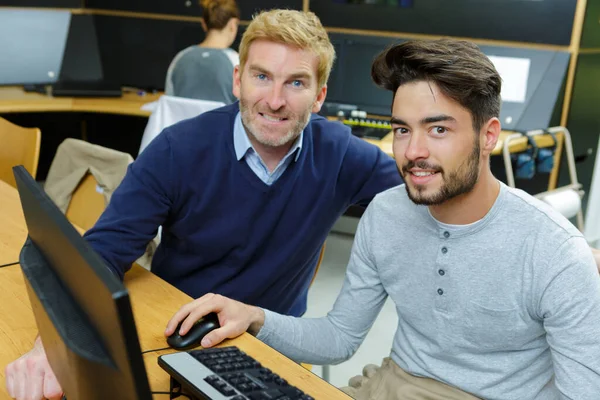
(440, 292)
(444, 250)
(442, 272)
(446, 234)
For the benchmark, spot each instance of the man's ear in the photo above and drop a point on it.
(320, 99)
(203, 24)
(237, 81)
(491, 132)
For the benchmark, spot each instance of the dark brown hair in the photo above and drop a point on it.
(457, 67)
(217, 13)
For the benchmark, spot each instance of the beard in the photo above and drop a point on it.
(460, 181)
(268, 138)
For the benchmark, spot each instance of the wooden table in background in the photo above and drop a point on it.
(13, 99)
(153, 300)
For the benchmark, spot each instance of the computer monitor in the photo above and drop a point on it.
(82, 310)
(32, 44)
(350, 81)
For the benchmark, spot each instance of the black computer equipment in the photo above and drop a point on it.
(366, 128)
(32, 44)
(82, 72)
(86, 89)
(196, 333)
(82, 310)
(226, 373)
(57, 48)
(350, 81)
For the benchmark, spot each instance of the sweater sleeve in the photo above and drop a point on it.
(570, 308)
(137, 208)
(336, 337)
(367, 171)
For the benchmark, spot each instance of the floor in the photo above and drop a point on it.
(321, 297)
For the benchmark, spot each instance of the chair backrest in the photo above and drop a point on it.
(18, 146)
(87, 203)
(169, 110)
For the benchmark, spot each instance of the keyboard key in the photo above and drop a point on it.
(279, 381)
(292, 392)
(254, 386)
(266, 395)
(243, 388)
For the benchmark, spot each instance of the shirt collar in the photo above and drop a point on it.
(242, 144)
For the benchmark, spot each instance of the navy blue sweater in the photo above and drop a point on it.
(224, 230)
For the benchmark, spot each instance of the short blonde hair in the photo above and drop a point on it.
(295, 28)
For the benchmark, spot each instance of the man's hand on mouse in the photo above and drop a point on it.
(31, 378)
(235, 318)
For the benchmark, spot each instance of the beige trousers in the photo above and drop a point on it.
(390, 382)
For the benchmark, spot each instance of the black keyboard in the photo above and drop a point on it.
(226, 373)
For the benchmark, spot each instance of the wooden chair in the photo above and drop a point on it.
(87, 204)
(18, 146)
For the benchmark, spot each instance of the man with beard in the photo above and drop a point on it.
(497, 294)
(245, 194)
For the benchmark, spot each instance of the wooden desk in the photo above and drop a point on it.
(13, 99)
(153, 301)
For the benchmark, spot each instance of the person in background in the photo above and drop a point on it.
(205, 71)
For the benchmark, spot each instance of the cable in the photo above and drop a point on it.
(161, 349)
(169, 393)
(8, 265)
(178, 394)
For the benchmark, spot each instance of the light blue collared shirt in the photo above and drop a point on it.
(245, 150)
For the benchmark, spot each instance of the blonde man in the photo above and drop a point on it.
(246, 194)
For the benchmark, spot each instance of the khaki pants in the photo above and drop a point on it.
(390, 382)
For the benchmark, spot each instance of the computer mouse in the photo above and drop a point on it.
(194, 336)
